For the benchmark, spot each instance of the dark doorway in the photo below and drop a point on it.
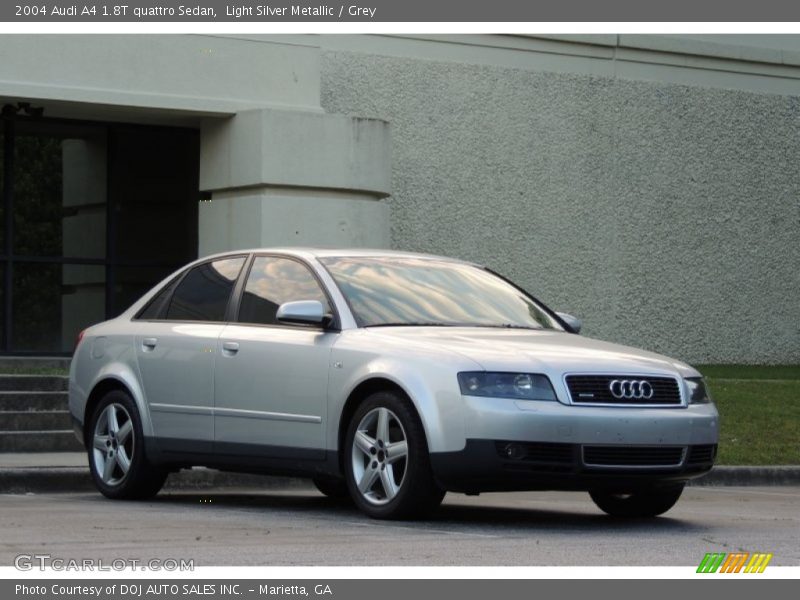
(93, 214)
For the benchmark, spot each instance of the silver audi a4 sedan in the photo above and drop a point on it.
(387, 377)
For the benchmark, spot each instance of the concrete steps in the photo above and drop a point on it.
(39, 441)
(31, 401)
(32, 364)
(35, 420)
(34, 414)
(33, 383)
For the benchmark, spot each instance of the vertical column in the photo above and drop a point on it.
(291, 178)
(83, 233)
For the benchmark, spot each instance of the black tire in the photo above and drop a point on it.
(332, 488)
(647, 502)
(142, 479)
(417, 493)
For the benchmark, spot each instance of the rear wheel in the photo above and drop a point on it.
(116, 450)
(647, 502)
(387, 466)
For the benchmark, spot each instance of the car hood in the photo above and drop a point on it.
(536, 351)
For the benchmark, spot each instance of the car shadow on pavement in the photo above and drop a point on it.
(539, 519)
(494, 517)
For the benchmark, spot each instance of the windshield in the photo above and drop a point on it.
(407, 291)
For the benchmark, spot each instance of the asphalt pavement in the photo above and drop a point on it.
(301, 527)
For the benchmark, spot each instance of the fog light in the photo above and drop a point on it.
(514, 451)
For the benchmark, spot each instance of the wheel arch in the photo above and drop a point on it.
(103, 387)
(109, 380)
(357, 396)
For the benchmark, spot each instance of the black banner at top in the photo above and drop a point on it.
(311, 11)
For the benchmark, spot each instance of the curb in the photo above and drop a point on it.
(755, 475)
(77, 479)
(25, 480)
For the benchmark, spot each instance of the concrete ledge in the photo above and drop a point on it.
(282, 148)
(76, 479)
(235, 75)
(44, 479)
(71, 479)
(755, 475)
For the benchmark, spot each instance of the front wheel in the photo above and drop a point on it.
(115, 445)
(647, 502)
(387, 466)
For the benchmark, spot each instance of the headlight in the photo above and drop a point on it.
(523, 386)
(698, 392)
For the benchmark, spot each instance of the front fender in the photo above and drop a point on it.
(431, 386)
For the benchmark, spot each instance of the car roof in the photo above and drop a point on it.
(309, 254)
(312, 252)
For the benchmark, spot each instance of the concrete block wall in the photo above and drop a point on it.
(667, 216)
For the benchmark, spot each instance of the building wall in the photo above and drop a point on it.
(648, 184)
(665, 215)
(274, 169)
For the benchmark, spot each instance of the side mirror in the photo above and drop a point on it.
(302, 312)
(574, 323)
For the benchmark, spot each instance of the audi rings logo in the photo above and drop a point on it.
(631, 389)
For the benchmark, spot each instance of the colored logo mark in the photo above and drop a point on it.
(736, 562)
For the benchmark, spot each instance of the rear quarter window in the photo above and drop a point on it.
(204, 293)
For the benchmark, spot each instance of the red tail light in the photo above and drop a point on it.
(78, 340)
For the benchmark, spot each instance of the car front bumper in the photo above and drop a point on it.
(528, 445)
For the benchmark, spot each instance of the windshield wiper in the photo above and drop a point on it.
(415, 324)
(442, 324)
(506, 326)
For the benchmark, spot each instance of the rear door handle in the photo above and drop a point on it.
(149, 344)
(230, 348)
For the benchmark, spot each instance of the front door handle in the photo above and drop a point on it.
(149, 344)
(230, 348)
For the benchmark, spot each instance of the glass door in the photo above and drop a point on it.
(92, 216)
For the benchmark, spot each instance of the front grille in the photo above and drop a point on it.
(633, 456)
(594, 389)
(702, 454)
(536, 452)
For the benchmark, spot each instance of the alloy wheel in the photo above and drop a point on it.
(379, 456)
(113, 444)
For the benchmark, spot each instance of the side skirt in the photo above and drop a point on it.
(243, 458)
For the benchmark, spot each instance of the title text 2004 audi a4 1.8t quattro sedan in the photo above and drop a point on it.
(386, 376)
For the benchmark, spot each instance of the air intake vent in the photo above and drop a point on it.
(699, 455)
(536, 452)
(633, 456)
